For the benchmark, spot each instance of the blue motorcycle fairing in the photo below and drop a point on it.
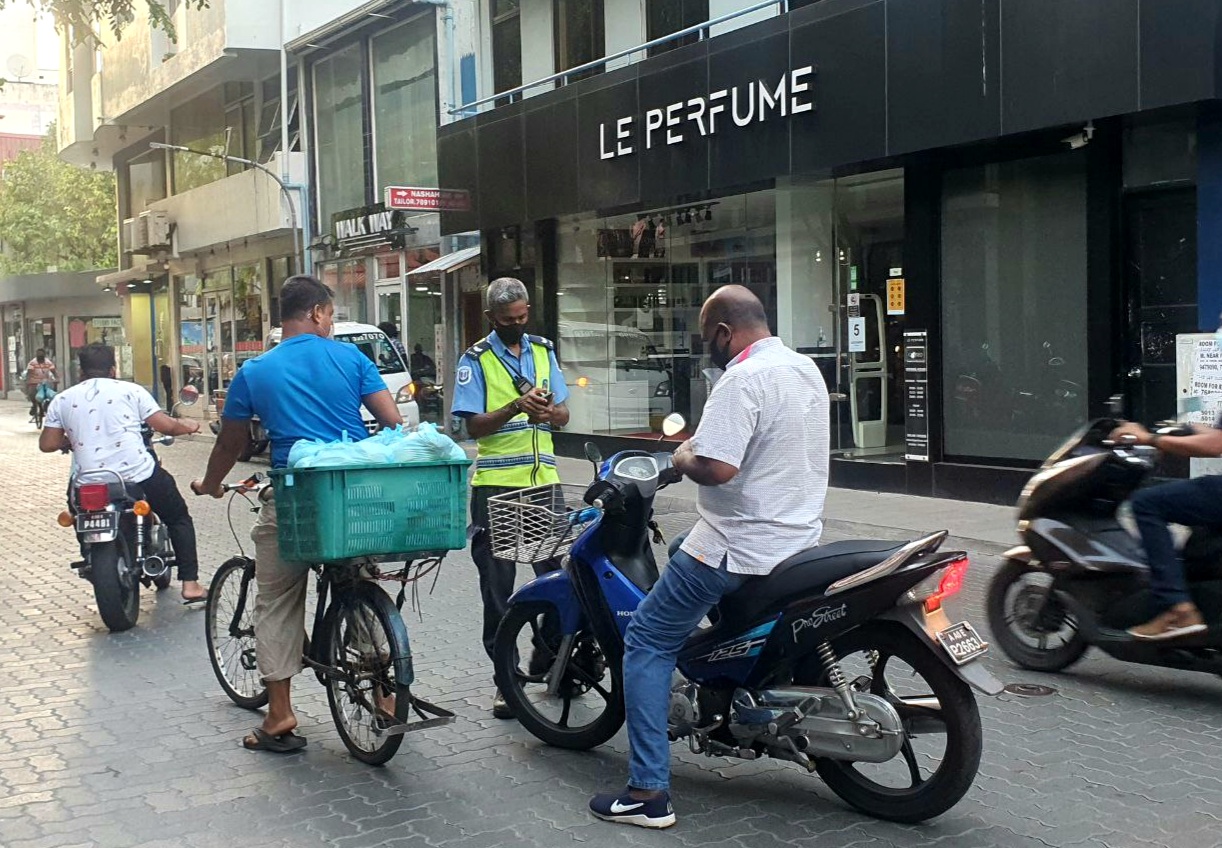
(555, 588)
(731, 658)
(621, 595)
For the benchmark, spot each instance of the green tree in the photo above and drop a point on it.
(53, 214)
(82, 15)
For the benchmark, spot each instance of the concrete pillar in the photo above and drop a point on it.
(1209, 220)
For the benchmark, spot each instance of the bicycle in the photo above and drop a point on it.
(357, 647)
(42, 400)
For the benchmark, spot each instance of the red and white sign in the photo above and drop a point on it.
(416, 199)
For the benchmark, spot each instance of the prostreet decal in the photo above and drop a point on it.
(818, 618)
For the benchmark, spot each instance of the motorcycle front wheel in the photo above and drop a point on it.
(115, 588)
(587, 709)
(929, 777)
(1029, 624)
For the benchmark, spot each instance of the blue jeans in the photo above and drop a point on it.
(686, 592)
(1194, 503)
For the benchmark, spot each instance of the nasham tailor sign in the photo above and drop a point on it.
(424, 199)
(722, 110)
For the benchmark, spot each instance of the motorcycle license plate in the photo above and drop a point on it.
(962, 642)
(97, 522)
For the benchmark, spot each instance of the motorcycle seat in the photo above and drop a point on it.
(803, 574)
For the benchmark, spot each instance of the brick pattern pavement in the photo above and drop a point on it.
(126, 740)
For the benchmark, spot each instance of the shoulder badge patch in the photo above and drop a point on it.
(464, 375)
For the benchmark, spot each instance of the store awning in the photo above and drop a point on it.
(131, 275)
(449, 262)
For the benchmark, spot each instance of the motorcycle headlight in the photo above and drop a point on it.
(406, 394)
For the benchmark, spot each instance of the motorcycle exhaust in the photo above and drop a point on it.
(154, 566)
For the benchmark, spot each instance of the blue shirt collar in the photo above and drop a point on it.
(498, 346)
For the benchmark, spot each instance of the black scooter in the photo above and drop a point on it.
(1080, 579)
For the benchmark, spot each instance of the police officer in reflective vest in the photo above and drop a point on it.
(511, 392)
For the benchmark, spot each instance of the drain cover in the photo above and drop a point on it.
(1029, 690)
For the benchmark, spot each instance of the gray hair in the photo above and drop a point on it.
(505, 290)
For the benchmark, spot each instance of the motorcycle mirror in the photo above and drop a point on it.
(188, 395)
(673, 424)
(593, 453)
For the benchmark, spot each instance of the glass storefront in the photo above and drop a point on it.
(405, 104)
(192, 356)
(82, 331)
(347, 279)
(631, 287)
(1014, 343)
(220, 324)
(14, 346)
(339, 132)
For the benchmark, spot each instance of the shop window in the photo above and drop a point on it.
(666, 16)
(192, 356)
(348, 280)
(145, 182)
(577, 26)
(630, 291)
(87, 330)
(1014, 306)
(405, 104)
(269, 121)
(1160, 154)
(506, 44)
(199, 124)
(340, 134)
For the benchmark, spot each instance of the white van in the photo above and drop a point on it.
(377, 347)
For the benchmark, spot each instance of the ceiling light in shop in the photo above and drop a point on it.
(422, 288)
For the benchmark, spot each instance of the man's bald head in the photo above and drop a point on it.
(736, 306)
(733, 312)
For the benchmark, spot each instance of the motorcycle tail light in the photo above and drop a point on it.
(93, 497)
(936, 588)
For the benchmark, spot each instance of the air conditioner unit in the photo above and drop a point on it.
(135, 234)
(156, 228)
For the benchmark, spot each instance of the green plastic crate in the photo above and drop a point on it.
(327, 514)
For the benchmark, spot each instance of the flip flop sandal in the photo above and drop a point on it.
(285, 743)
(192, 602)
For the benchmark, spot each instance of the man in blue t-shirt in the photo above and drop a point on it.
(307, 387)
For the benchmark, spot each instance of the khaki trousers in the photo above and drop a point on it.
(280, 603)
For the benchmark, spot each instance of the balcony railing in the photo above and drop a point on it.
(572, 74)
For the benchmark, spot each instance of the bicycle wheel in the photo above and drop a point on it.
(229, 626)
(367, 650)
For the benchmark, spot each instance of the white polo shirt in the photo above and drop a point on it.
(768, 417)
(102, 419)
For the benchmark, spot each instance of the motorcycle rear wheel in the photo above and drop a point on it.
(115, 588)
(947, 783)
(591, 684)
(1012, 614)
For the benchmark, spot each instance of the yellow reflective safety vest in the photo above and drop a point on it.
(520, 454)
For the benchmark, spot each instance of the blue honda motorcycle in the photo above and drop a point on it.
(842, 660)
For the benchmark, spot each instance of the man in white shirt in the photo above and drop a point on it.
(760, 457)
(99, 419)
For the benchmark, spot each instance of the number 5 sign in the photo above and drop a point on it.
(857, 335)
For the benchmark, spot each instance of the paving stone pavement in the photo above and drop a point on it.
(126, 739)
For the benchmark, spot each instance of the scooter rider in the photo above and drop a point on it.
(760, 457)
(100, 419)
(1194, 503)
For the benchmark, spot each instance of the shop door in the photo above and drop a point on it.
(1160, 278)
(219, 362)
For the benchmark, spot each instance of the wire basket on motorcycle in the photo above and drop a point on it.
(539, 523)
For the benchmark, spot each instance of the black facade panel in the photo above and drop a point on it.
(551, 159)
(1066, 62)
(1178, 47)
(458, 168)
(669, 170)
(502, 182)
(849, 123)
(943, 72)
(616, 181)
(760, 150)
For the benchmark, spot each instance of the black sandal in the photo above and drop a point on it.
(285, 743)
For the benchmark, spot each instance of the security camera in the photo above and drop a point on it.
(1079, 140)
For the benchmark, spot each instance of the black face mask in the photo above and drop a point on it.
(719, 355)
(510, 335)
